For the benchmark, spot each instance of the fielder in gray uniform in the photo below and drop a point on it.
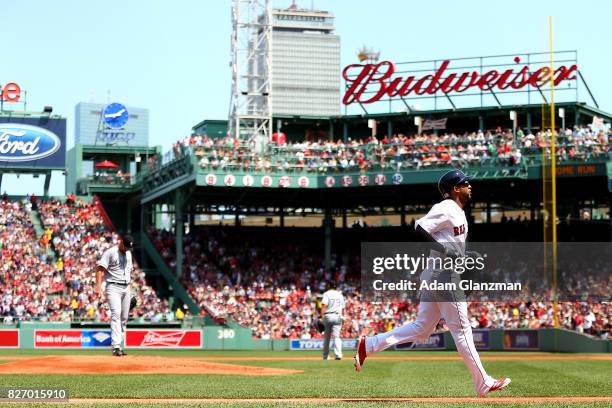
(333, 317)
(116, 266)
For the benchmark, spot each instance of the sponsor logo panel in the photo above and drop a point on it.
(71, 338)
(317, 344)
(434, 342)
(96, 338)
(521, 340)
(9, 338)
(481, 339)
(164, 339)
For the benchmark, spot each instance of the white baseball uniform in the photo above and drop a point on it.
(118, 267)
(332, 320)
(447, 224)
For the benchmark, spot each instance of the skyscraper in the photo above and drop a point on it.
(305, 63)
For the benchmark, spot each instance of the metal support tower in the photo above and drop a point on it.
(250, 116)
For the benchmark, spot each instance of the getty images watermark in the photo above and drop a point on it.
(438, 279)
(492, 271)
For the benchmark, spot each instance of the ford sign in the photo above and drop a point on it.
(20, 143)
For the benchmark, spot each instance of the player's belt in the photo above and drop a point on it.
(120, 283)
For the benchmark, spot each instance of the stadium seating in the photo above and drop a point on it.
(248, 281)
(29, 282)
(400, 152)
(251, 282)
(79, 236)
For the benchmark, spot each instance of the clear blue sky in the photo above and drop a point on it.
(172, 57)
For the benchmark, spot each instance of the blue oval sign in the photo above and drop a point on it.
(20, 143)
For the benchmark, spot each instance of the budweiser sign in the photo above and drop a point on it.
(367, 83)
(430, 124)
(164, 339)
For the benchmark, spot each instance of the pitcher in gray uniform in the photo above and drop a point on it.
(116, 266)
(333, 317)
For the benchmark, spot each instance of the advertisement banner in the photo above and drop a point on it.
(434, 342)
(434, 124)
(317, 344)
(521, 340)
(32, 142)
(111, 124)
(164, 339)
(96, 338)
(9, 338)
(481, 339)
(71, 338)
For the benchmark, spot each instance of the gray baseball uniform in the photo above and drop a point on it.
(118, 271)
(332, 320)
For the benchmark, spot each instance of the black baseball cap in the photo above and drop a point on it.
(128, 241)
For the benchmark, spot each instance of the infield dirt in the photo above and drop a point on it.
(98, 364)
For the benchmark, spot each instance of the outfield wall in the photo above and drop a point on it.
(34, 335)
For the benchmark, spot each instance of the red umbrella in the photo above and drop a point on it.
(106, 165)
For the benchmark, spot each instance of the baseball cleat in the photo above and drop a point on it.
(498, 385)
(117, 352)
(361, 353)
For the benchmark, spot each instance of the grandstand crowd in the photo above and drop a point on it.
(52, 277)
(232, 276)
(398, 152)
(28, 278)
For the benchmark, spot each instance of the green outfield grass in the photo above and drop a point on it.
(332, 405)
(335, 379)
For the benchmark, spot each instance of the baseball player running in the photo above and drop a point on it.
(445, 227)
(332, 317)
(116, 266)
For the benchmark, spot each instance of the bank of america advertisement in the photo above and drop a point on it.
(32, 142)
(111, 124)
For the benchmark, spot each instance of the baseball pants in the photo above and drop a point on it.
(455, 314)
(333, 325)
(119, 303)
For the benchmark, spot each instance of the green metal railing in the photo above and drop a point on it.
(285, 161)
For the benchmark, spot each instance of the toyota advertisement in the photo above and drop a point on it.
(32, 142)
(317, 344)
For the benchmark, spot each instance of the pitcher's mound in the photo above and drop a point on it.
(83, 364)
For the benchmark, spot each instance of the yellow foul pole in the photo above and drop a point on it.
(553, 175)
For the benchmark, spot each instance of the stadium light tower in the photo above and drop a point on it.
(250, 115)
